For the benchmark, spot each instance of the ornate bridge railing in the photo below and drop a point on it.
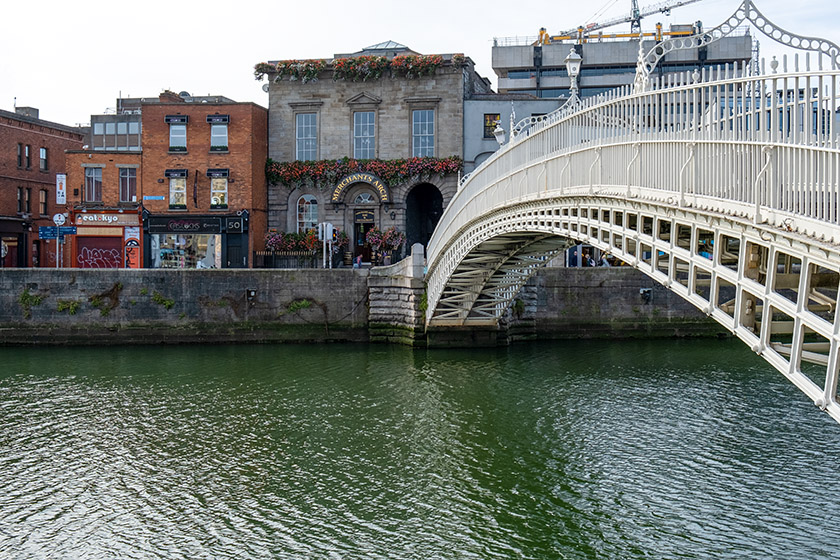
(721, 185)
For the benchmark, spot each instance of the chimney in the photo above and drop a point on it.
(170, 97)
(31, 112)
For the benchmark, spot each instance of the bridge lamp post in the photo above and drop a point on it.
(573, 62)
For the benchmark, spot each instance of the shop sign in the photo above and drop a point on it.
(107, 219)
(176, 119)
(363, 217)
(218, 119)
(233, 225)
(61, 188)
(371, 180)
(185, 225)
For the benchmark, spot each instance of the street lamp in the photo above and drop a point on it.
(573, 69)
(499, 133)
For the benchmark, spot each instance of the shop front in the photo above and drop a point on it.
(108, 238)
(196, 241)
(12, 242)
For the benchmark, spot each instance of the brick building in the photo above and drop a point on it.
(31, 157)
(203, 182)
(104, 206)
(367, 139)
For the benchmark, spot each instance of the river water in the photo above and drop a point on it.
(651, 449)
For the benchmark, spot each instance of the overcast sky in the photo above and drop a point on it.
(73, 59)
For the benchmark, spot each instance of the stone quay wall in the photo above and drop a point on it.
(384, 304)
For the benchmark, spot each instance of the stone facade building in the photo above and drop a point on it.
(31, 159)
(372, 139)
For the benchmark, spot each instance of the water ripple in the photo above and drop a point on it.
(569, 450)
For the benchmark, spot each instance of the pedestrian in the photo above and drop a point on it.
(573, 259)
(604, 261)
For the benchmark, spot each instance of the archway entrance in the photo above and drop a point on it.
(424, 206)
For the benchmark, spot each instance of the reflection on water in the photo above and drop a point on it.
(689, 449)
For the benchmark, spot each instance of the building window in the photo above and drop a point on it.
(178, 192)
(423, 133)
(42, 202)
(93, 184)
(44, 164)
(128, 184)
(307, 213)
(306, 136)
(218, 192)
(20, 200)
(20, 155)
(364, 135)
(28, 201)
(177, 138)
(27, 156)
(490, 122)
(218, 137)
(365, 198)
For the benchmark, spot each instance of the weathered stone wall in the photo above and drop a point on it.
(385, 304)
(609, 302)
(177, 306)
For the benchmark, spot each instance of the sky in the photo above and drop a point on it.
(74, 59)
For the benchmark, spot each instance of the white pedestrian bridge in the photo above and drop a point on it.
(723, 185)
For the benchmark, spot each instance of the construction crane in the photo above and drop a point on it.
(635, 18)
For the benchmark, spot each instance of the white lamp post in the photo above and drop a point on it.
(573, 69)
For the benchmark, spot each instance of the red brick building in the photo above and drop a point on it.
(31, 157)
(104, 206)
(203, 182)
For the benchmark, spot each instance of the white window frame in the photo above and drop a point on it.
(306, 136)
(177, 190)
(219, 136)
(423, 133)
(364, 134)
(307, 213)
(177, 140)
(219, 192)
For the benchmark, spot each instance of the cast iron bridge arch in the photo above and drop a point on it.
(723, 185)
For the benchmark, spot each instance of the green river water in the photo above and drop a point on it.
(607, 450)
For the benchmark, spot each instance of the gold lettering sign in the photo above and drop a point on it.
(371, 180)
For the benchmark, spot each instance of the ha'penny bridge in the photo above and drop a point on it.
(722, 184)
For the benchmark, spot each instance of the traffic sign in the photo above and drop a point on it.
(58, 219)
(67, 230)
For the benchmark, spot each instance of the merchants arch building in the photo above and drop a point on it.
(371, 139)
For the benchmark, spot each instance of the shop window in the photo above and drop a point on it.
(186, 251)
(128, 184)
(178, 193)
(423, 133)
(42, 202)
(219, 192)
(364, 135)
(490, 122)
(307, 213)
(93, 184)
(306, 136)
(44, 165)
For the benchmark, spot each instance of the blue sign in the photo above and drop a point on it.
(48, 232)
(53, 232)
(146, 197)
